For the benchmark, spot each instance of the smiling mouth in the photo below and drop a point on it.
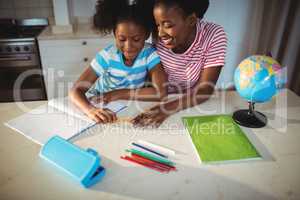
(167, 40)
(130, 54)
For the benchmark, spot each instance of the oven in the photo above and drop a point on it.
(21, 77)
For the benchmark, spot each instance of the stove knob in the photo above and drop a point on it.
(8, 49)
(26, 48)
(17, 48)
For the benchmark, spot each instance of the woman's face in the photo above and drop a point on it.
(130, 40)
(175, 31)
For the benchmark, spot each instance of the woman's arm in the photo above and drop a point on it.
(156, 92)
(77, 96)
(202, 92)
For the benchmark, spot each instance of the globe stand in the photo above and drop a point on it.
(250, 118)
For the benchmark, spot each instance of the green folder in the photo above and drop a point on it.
(218, 138)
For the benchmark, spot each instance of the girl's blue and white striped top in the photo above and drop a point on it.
(114, 74)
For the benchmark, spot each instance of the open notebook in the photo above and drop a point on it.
(58, 117)
(61, 117)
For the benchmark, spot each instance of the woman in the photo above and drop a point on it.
(192, 52)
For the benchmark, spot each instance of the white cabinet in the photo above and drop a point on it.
(64, 60)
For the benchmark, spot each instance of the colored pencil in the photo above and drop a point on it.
(152, 164)
(151, 157)
(157, 148)
(152, 151)
(141, 163)
(167, 167)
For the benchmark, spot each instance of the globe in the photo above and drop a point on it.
(255, 81)
(254, 78)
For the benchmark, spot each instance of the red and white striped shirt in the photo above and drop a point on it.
(207, 50)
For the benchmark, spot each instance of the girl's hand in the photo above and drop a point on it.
(105, 98)
(98, 99)
(101, 115)
(153, 117)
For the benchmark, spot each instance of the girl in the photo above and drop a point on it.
(192, 52)
(119, 70)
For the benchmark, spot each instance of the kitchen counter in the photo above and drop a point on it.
(83, 30)
(23, 175)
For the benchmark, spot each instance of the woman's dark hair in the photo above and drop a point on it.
(111, 12)
(199, 7)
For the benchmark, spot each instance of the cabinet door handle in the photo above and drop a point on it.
(85, 59)
(84, 43)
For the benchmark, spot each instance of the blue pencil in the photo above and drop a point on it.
(147, 149)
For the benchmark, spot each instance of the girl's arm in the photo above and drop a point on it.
(77, 96)
(202, 92)
(156, 92)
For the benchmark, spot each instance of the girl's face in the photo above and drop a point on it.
(175, 31)
(130, 39)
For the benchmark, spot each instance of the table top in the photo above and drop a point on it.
(24, 175)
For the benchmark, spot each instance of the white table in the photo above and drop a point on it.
(23, 175)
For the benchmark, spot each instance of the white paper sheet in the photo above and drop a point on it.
(65, 105)
(58, 117)
(46, 122)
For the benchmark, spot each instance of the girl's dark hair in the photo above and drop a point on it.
(199, 7)
(111, 12)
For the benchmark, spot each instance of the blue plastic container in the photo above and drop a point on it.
(82, 165)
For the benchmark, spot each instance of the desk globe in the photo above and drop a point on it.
(254, 80)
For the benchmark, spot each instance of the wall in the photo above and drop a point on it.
(241, 21)
(25, 8)
(82, 8)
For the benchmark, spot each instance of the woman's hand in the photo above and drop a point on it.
(101, 115)
(152, 117)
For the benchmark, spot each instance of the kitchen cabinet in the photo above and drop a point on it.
(63, 60)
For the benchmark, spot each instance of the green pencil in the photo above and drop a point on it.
(151, 157)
